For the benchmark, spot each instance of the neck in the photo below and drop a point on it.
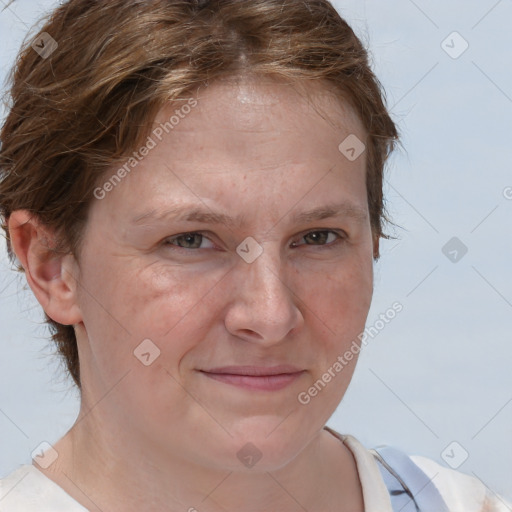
(130, 475)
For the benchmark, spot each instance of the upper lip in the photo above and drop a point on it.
(255, 370)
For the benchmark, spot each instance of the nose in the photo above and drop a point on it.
(264, 307)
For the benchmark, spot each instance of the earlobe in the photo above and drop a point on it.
(49, 273)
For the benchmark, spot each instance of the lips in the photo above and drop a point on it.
(256, 370)
(264, 378)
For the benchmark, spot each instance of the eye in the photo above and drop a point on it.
(320, 237)
(187, 240)
(193, 240)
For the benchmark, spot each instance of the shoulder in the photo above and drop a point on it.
(27, 490)
(428, 482)
(417, 483)
(460, 491)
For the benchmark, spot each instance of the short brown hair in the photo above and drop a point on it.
(72, 113)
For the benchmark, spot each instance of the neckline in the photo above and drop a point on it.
(52, 494)
(375, 494)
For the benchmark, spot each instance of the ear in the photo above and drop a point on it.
(50, 275)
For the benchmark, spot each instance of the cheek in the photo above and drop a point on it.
(124, 304)
(172, 305)
(166, 298)
(340, 298)
(338, 304)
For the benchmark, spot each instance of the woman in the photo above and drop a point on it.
(193, 190)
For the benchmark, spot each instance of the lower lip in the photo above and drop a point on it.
(261, 382)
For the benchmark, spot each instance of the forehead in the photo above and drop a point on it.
(265, 105)
(248, 144)
(257, 125)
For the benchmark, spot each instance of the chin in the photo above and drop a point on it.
(263, 444)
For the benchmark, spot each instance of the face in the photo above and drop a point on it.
(242, 238)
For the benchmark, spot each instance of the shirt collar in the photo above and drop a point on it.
(375, 493)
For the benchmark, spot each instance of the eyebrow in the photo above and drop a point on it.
(194, 214)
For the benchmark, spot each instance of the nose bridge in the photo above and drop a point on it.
(263, 302)
(265, 274)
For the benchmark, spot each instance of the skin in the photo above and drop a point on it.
(165, 435)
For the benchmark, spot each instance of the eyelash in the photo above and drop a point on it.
(341, 238)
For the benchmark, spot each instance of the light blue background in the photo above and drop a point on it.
(441, 370)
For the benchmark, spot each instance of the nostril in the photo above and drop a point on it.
(249, 332)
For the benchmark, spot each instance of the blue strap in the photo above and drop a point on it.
(410, 489)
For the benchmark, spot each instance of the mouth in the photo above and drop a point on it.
(256, 377)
